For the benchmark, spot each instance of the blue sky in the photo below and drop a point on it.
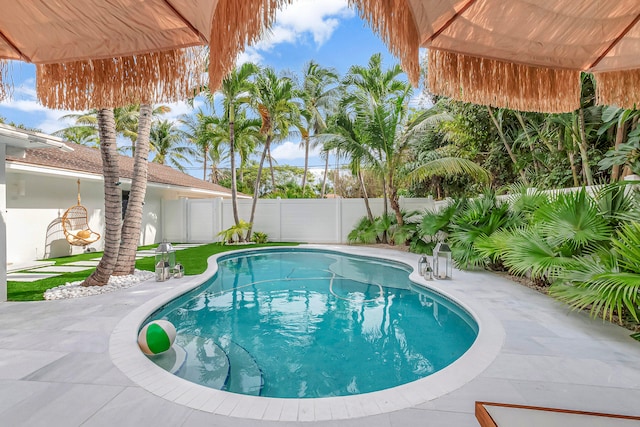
(326, 31)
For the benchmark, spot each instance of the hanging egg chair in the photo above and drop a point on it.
(75, 224)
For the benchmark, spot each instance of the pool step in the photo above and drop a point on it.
(207, 363)
(245, 376)
(172, 360)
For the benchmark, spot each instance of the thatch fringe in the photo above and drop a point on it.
(618, 88)
(235, 25)
(503, 84)
(393, 21)
(107, 83)
(5, 87)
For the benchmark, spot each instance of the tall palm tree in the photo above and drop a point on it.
(386, 132)
(132, 222)
(345, 136)
(379, 99)
(320, 93)
(236, 92)
(167, 143)
(197, 130)
(274, 99)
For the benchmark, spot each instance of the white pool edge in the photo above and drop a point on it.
(126, 355)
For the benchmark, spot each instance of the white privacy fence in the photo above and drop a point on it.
(284, 220)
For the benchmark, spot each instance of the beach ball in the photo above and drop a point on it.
(156, 337)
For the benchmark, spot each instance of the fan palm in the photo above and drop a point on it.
(607, 282)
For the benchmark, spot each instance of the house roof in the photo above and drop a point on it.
(89, 160)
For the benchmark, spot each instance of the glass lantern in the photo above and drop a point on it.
(442, 264)
(424, 268)
(178, 271)
(165, 261)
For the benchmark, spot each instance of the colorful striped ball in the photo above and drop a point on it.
(156, 337)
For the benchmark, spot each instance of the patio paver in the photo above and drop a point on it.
(60, 269)
(29, 277)
(85, 263)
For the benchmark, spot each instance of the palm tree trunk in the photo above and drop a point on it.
(584, 148)
(620, 135)
(273, 177)
(324, 177)
(132, 223)
(394, 200)
(112, 200)
(204, 163)
(385, 207)
(506, 145)
(365, 197)
(574, 169)
(234, 183)
(534, 159)
(256, 191)
(306, 164)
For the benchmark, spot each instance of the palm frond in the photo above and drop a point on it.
(447, 166)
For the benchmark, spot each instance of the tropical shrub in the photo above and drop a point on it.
(385, 228)
(479, 217)
(363, 232)
(235, 233)
(259, 237)
(606, 282)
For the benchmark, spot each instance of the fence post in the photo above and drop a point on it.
(217, 212)
(279, 204)
(338, 219)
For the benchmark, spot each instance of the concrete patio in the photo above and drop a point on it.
(56, 366)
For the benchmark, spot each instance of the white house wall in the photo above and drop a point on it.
(36, 201)
(34, 204)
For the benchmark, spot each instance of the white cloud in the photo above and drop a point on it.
(318, 19)
(249, 55)
(420, 100)
(51, 121)
(179, 108)
(289, 150)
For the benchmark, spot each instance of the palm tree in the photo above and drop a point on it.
(236, 92)
(112, 200)
(274, 100)
(132, 222)
(166, 142)
(196, 130)
(125, 118)
(345, 135)
(320, 93)
(82, 135)
(377, 98)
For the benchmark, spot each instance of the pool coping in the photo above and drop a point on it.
(126, 355)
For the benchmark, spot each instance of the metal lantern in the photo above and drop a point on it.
(424, 268)
(165, 261)
(442, 264)
(178, 271)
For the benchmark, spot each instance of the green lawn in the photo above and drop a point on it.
(193, 259)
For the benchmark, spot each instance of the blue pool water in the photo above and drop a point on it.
(299, 323)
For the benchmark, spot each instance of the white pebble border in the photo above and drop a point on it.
(74, 290)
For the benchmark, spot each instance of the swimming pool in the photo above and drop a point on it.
(308, 323)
